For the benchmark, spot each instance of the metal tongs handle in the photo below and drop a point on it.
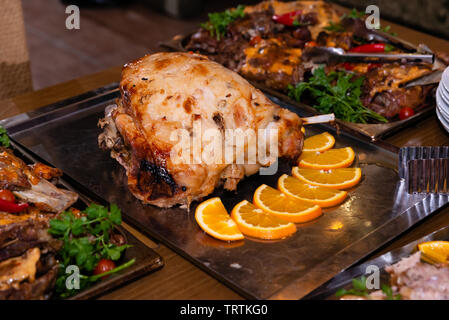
(327, 54)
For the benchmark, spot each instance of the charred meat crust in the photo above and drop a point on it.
(155, 180)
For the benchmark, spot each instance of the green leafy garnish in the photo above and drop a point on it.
(334, 27)
(386, 289)
(219, 21)
(387, 29)
(4, 139)
(354, 14)
(338, 93)
(85, 241)
(358, 289)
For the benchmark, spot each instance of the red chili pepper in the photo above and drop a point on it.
(12, 207)
(373, 48)
(288, 18)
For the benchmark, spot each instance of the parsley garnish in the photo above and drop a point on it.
(86, 241)
(334, 27)
(338, 93)
(4, 139)
(219, 21)
(386, 289)
(359, 289)
(354, 14)
(387, 29)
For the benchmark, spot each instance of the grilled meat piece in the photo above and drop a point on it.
(382, 91)
(416, 280)
(45, 172)
(276, 60)
(163, 92)
(47, 197)
(30, 276)
(270, 62)
(18, 233)
(28, 183)
(12, 175)
(18, 269)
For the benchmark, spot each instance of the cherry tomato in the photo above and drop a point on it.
(104, 265)
(7, 196)
(406, 112)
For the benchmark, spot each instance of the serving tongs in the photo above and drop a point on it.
(330, 55)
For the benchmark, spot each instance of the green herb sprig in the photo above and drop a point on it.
(338, 93)
(334, 27)
(4, 139)
(86, 241)
(219, 21)
(353, 14)
(359, 289)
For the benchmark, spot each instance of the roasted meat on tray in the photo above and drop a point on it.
(164, 92)
(28, 267)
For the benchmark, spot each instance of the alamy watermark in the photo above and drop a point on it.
(227, 146)
(73, 20)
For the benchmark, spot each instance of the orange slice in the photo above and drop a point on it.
(330, 159)
(324, 197)
(434, 251)
(319, 143)
(212, 217)
(343, 178)
(257, 223)
(277, 203)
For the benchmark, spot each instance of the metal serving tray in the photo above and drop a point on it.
(146, 260)
(377, 210)
(372, 131)
(344, 279)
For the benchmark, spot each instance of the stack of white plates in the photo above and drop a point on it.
(443, 100)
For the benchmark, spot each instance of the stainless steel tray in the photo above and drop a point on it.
(343, 280)
(372, 131)
(377, 210)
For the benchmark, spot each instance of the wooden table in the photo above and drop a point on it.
(180, 279)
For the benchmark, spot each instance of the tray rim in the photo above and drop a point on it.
(291, 293)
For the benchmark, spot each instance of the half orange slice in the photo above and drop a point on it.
(297, 189)
(212, 217)
(330, 159)
(342, 178)
(277, 203)
(257, 223)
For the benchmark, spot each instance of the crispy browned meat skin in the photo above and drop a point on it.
(167, 91)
